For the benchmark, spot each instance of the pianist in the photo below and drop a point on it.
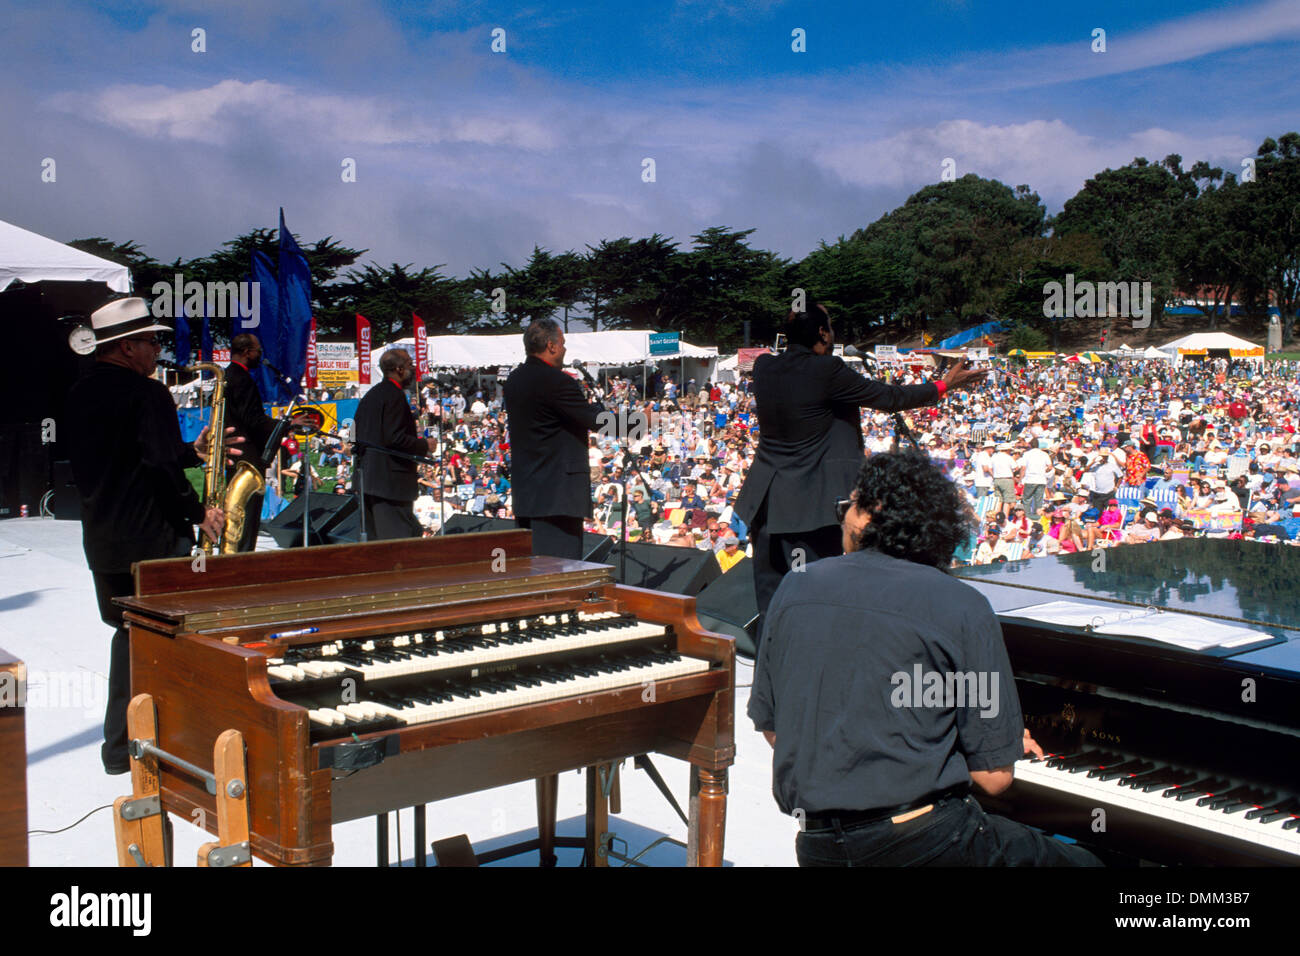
(880, 777)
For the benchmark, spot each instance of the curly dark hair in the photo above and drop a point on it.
(916, 513)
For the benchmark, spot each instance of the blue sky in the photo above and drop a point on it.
(468, 157)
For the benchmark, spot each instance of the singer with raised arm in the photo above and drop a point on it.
(549, 421)
(810, 445)
(390, 482)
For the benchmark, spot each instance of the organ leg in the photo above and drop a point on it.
(548, 789)
(599, 780)
(708, 817)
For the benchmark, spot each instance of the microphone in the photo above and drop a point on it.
(595, 386)
(852, 351)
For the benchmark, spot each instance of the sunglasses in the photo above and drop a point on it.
(842, 506)
(148, 340)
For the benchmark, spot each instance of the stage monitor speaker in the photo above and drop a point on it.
(326, 512)
(468, 524)
(595, 547)
(662, 567)
(66, 501)
(728, 605)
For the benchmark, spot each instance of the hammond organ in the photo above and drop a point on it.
(368, 678)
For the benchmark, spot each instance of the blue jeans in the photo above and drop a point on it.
(957, 832)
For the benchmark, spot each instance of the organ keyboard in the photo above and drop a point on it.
(367, 678)
(1192, 755)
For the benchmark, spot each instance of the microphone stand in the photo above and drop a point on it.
(900, 426)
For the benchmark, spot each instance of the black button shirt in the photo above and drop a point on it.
(864, 662)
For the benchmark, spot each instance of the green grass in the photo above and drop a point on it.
(1282, 357)
(328, 476)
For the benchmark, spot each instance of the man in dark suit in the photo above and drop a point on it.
(549, 420)
(810, 446)
(244, 413)
(390, 482)
(129, 462)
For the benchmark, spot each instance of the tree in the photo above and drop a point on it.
(1136, 213)
(945, 249)
(389, 296)
(1275, 201)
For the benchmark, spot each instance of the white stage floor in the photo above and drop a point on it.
(49, 620)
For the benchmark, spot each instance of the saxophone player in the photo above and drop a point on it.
(244, 412)
(128, 461)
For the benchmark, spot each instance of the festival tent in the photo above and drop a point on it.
(1154, 353)
(1206, 343)
(613, 347)
(29, 257)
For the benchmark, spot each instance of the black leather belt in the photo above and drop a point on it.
(848, 819)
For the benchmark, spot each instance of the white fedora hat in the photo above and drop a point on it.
(121, 318)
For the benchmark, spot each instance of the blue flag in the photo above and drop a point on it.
(295, 304)
(182, 339)
(268, 331)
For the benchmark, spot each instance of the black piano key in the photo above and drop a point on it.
(1199, 788)
(1121, 769)
(1216, 800)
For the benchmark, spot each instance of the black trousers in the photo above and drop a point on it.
(957, 832)
(777, 554)
(108, 586)
(252, 522)
(387, 518)
(559, 536)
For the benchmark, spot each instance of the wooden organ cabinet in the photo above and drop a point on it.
(368, 678)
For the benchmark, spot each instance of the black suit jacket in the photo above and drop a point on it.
(549, 420)
(244, 413)
(129, 464)
(810, 438)
(384, 418)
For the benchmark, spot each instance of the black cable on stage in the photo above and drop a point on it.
(107, 806)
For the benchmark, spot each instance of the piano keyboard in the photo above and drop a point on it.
(411, 654)
(405, 679)
(1225, 807)
(529, 684)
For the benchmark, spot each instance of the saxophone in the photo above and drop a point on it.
(232, 495)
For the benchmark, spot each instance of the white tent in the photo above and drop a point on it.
(1154, 353)
(1201, 343)
(29, 257)
(622, 347)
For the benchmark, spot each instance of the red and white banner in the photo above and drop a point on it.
(421, 349)
(311, 355)
(363, 349)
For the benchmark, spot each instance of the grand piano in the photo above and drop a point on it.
(1163, 683)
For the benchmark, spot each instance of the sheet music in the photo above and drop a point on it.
(1181, 630)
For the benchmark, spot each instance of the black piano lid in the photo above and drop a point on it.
(1246, 581)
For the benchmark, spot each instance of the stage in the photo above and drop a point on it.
(48, 619)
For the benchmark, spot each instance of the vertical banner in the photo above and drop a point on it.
(205, 341)
(268, 329)
(295, 308)
(421, 349)
(311, 355)
(182, 341)
(363, 349)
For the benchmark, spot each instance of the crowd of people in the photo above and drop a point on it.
(1055, 458)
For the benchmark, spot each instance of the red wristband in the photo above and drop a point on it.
(942, 386)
